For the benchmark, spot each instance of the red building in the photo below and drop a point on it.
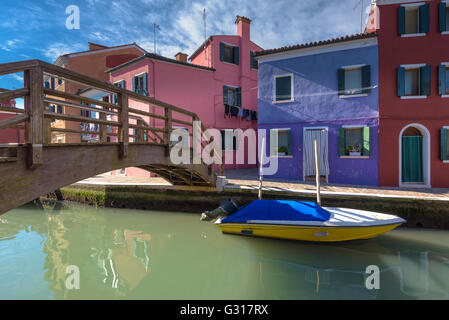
(10, 135)
(413, 39)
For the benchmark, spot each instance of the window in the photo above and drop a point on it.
(354, 80)
(443, 79)
(226, 142)
(413, 81)
(413, 19)
(229, 54)
(283, 88)
(140, 84)
(284, 142)
(444, 144)
(232, 96)
(354, 141)
(444, 17)
(120, 84)
(253, 62)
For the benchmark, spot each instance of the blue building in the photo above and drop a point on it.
(325, 91)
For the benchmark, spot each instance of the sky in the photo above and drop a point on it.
(36, 29)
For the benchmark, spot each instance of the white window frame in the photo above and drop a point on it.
(353, 67)
(230, 45)
(414, 66)
(354, 126)
(418, 34)
(292, 92)
(286, 156)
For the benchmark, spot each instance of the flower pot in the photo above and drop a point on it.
(355, 153)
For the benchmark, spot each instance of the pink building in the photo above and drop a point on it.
(219, 84)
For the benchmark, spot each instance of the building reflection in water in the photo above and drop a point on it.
(142, 257)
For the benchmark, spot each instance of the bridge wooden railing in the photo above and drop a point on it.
(150, 120)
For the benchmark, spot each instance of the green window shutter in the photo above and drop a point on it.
(52, 108)
(239, 97)
(366, 79)
(59, 110)
(123, 84)
(442, 16)
(341, 81)
(441, 79)
(114, 98)
(225, 95)
(221, 51)
(134, 84)
(341, 142)
(145, 86)
(52, 83)
(401, 20)
(443, 146)
(47, 84)
(425, 81)
(401, 81)
(289, 139)
(424, 18)
(274, 133)
(236, 55)
(366, 141)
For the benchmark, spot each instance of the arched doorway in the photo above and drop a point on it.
(414, 150)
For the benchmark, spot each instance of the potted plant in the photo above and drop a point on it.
(354, 150)
(282, 151)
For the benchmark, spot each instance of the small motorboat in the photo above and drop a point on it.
(307, 221)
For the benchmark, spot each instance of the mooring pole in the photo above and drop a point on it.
(317, 169)
(261, 168)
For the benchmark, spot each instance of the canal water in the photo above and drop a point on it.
(133, 254)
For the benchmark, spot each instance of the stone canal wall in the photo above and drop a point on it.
(427, 213)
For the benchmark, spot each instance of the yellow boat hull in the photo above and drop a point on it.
(306, 233)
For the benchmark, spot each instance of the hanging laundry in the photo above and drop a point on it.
(240, 113)
(227, 111)
(234, 111)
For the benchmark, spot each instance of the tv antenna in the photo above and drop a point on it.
(156, 27)
(361, 14)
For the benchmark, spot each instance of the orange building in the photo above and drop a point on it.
(93, 63)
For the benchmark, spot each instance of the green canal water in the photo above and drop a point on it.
(133, 254)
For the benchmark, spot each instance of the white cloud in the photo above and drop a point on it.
(16, 76)
(10, 45)
(58, 49)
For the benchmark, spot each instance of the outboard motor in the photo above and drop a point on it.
(225, 208)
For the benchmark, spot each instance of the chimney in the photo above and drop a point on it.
(94, 46)
(181, 57)
(243, 27)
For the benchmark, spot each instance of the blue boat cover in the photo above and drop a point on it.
(285, 210)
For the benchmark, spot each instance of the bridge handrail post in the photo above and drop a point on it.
(124, 120)
(103, 127)
(140, 132)
(167, 130)
(34, 107)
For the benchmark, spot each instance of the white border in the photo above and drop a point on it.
(426, 157)
(291, 89)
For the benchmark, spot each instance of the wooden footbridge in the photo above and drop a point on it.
(125, 136)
